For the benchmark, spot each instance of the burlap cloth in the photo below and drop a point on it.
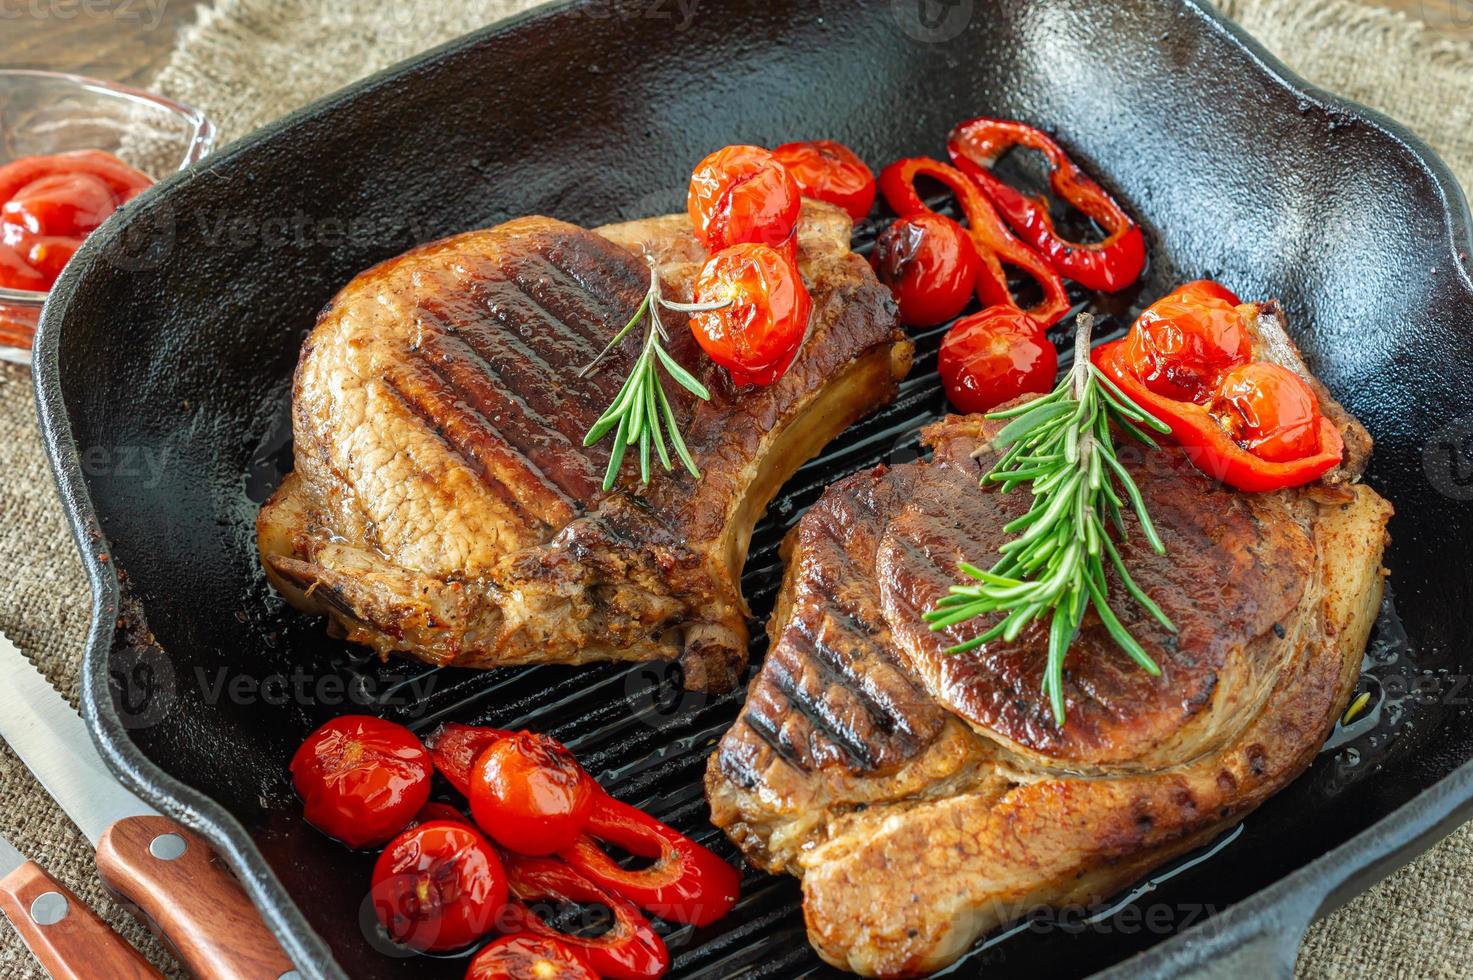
(249, 61)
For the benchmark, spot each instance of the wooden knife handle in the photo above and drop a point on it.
(67, 937)
(190, 899)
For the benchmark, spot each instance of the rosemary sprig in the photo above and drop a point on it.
(1061, 446)
(641, 406)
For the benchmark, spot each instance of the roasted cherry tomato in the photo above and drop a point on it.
(529, 957)
(439, 886)
(1206, 289)
(827, 170)
(1269, 411)
(455, 748)
(931, 266)
(742, 194)
(758, 334)
(994, 356)
(530, 795)
(1184, 341)
(363, 779)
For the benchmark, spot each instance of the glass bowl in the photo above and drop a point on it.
(44, 112)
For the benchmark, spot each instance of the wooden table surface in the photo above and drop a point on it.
(128, 40)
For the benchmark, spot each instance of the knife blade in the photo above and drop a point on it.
(185, 893)
(67, 938)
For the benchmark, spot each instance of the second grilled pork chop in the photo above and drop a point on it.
(925, 797)
(443, 504)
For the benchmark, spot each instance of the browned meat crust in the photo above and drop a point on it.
(443, 504)
(864, 748)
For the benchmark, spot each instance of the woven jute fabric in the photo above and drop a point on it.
(249, 61)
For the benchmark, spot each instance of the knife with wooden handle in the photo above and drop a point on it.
(155, 865)
(66, 936)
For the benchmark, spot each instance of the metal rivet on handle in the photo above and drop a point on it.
(168, 847)
(49, 908)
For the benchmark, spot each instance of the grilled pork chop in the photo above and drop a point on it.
(925, 797)
(443, 504)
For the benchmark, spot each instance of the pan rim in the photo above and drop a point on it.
(1256, 923)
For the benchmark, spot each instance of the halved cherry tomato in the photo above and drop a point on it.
(994, 356)
(686, 882)
(455, 748)
(362, 778)
(530, 795)
(930, 265)
(438, 887)
(742, 194)
(757, 336)
(1183, 342)
(1269, 411)
(529, 957)
(827, 170)
(629, 949)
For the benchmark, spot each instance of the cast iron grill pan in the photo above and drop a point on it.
(173, 335)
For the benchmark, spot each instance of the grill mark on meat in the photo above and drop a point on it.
(759, 726)
(790, 686)
(513, 302)
(551, 406)
(559, 294)
(551, 454)
(455, 438)
(606, 272)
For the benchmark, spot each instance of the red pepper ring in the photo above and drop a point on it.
(629, 949)
(1109, 265)
(454, 749)
(995, 244)
(687, 883)
(1208, 447)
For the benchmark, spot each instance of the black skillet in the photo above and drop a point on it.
(172, 337)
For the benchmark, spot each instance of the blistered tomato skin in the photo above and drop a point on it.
(757, 335)
(827, 170)
(994, 356)
(1269, 411)
(530, 795)
(930, 265)
(1183, 343)
(742, 194)
(528, 957)
(438, 887)
(362, 779)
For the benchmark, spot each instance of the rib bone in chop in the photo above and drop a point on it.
(443, 504)
(925, 797)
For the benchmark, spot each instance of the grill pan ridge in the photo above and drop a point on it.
(163, 338)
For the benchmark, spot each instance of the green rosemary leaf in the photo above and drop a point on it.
(635, 415)
(1053, 566)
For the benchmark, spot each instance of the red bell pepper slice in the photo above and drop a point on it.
(454, 749)
(1109, 265)
(1208, 446)
(995, 244)
(686, 882)
(629, 949)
